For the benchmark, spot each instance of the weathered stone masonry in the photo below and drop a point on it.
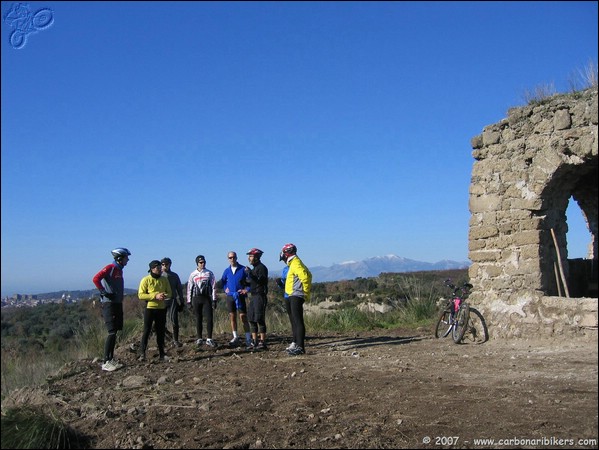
(527, 167)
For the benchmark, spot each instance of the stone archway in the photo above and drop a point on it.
(527, 167)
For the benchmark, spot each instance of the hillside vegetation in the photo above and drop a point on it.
(38, 340)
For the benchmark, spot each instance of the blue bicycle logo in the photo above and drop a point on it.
(26, 22)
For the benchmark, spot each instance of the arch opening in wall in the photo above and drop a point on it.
(578, 237)
(572, 190)
(582, 266)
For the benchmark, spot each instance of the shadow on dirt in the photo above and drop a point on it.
(278, 343)
(361, 343)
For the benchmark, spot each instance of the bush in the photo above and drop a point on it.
(29, 427)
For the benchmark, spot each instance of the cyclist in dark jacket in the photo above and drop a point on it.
(175, 304)
(257, 277)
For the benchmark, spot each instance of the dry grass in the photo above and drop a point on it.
(584, 78)
(539, 94)
(579, 80)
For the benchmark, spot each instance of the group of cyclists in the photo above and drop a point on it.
(246, 289)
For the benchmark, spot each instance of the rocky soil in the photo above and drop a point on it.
(384, 389)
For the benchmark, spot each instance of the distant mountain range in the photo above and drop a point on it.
(373, 267)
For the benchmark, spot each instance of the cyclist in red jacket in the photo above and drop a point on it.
(111, 285)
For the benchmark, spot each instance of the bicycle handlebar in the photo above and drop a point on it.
(465, 288)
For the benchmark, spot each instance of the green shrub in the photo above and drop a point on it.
(29, 427)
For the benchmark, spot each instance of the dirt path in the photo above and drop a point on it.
(391, 389)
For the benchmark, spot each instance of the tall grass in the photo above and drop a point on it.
(343, 320)
(421, 303)
(32, 427)
(89, 339)
(30, 368)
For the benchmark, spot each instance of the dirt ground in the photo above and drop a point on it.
(384, 389)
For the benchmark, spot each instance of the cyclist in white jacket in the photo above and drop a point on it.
(201, 296)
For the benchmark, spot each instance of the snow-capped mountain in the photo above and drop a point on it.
(373, 267)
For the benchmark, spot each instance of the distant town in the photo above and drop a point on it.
(29, 300)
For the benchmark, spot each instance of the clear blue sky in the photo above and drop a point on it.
(177, 129)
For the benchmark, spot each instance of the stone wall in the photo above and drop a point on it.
(527, 167)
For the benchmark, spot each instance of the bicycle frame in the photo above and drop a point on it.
(456, 313)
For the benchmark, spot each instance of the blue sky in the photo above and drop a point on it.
(177, 129)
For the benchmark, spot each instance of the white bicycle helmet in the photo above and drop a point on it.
(120, 252)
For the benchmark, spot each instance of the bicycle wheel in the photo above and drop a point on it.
(461, 323)
(18, 39)
(476, 331)
(43, 19)
(443, 326)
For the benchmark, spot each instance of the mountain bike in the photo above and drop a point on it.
(458, 318)
(25, 22)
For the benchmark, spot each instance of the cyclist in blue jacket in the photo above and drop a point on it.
(233, 283)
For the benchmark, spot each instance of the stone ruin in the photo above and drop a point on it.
(526, 169)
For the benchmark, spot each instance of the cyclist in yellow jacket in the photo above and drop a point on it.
(154, 289)
(298, 284)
